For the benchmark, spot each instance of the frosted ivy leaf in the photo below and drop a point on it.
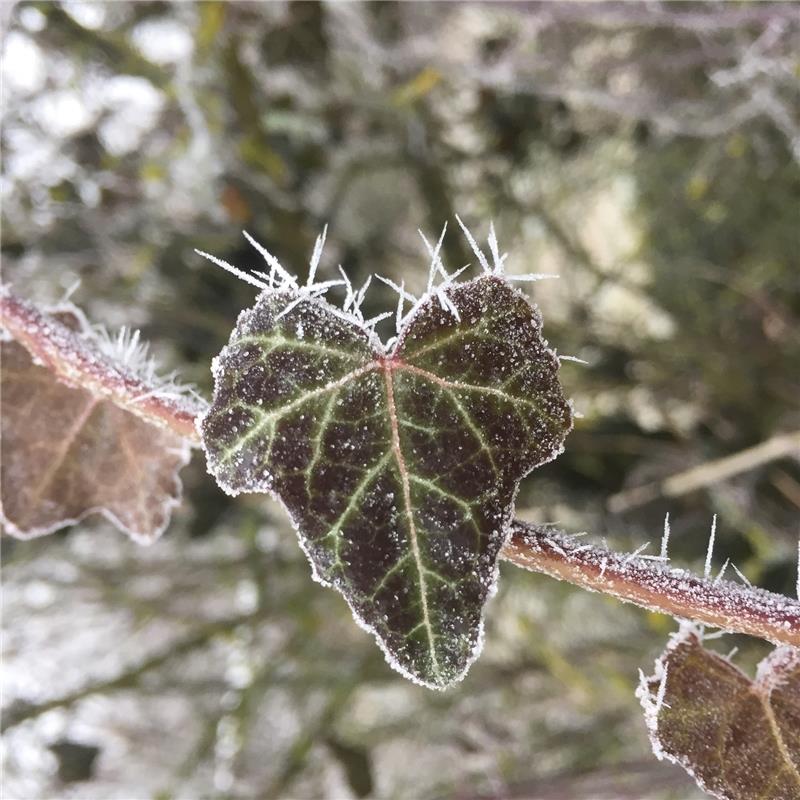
(739, 739)
(399, 470)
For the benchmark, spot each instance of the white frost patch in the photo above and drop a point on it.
(652, 705)
(134, 105)
(64, 113)
(23, 65)
(774, 670)
(164, 41)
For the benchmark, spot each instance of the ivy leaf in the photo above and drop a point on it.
(739, 739)
(69, 452)
(398, 469)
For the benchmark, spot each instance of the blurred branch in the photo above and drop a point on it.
(309, 735)
(653, 585)
(625, 781)
(112, 48)
(780, 446)
(21, 711)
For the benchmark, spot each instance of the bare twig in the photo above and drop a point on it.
(653, 585)
(780, 446)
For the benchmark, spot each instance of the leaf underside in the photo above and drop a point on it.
(740, 739)
(68, 453)
(399, 470)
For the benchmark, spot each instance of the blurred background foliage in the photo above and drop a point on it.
(649, 154)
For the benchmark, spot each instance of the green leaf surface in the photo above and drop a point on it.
(399, 469)
(739, 738)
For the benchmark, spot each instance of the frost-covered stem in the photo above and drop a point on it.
(76, 360)
(653, 585)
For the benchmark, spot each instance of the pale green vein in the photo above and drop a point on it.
(437, 577)
(478, 333)
(358, 492)
(272, 343)
(407, 423)
(458, 332)
(431, 486)
(396, 567)
(412, 530)
(270, 417)
(467, 417)
(472, 387)
(317, 440)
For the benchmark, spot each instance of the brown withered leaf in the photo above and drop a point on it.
(739, 738)
(67, 453)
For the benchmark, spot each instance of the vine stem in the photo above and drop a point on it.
(648, 583)
(77, 359)
(652, 584)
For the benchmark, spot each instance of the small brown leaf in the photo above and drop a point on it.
(739, 739)
(68, 453)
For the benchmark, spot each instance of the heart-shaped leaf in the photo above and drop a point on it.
(740, 739)
(398, 469)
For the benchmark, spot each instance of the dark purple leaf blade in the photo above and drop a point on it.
(740, 739)
(399, 470)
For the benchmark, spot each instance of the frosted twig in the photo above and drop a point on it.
(118, 369)
(722, 604)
